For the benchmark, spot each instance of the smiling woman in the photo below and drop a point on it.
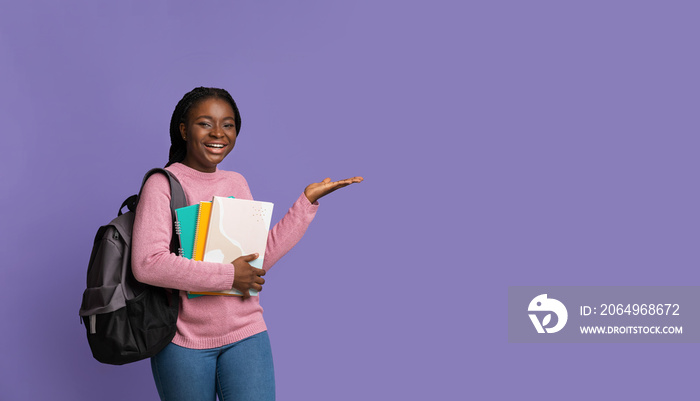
(210, 134)
(187, 114)
(221, 344)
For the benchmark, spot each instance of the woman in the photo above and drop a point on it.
(221, 344)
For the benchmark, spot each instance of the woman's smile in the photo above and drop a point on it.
(216, 147)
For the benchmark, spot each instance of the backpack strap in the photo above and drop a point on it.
(178, 199)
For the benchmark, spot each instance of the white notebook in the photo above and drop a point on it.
(237, 227)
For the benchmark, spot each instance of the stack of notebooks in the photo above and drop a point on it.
(223, 230)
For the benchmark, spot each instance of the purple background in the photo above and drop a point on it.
(502, 142)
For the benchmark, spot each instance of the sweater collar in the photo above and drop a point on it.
(195, 174)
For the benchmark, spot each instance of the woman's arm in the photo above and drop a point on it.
(285, 234)
(288, 231)
(151, 259)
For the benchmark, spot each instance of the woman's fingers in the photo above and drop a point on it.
(247, 277)
(318, 190)
(345, 182)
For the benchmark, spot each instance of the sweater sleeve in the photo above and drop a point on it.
(151, 259)
(288, 231)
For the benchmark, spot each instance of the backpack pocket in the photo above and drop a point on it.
(153, 318)
(100, 300)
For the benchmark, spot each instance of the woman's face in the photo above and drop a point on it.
(210, 133)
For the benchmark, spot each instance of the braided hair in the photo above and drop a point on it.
(178, 146)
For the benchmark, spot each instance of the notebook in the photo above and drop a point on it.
(237, 227)
(200, 234)
(185, 227)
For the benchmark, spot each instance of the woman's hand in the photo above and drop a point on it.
(318, 190)
(245, 276)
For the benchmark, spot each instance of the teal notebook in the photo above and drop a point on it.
(185, 226)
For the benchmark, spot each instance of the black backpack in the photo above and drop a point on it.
(127, 321)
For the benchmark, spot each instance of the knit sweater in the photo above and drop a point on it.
(213, 320)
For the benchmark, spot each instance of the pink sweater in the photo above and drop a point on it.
(207, 321)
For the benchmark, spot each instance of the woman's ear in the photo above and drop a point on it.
(183, 131)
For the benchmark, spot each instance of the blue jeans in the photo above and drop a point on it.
(239, 371)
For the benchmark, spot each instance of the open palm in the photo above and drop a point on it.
(317, 190)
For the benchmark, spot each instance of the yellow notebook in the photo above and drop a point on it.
(200, 234)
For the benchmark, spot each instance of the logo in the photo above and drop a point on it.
(543, 304)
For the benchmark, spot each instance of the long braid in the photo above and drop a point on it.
(178, 146)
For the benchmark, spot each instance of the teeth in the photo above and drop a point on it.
(215, 145)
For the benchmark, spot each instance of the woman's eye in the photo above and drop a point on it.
(205, 124)
(228, 125)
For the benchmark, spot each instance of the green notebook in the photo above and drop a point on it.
(185, 226)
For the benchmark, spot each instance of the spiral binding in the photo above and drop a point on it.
(178, 231)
